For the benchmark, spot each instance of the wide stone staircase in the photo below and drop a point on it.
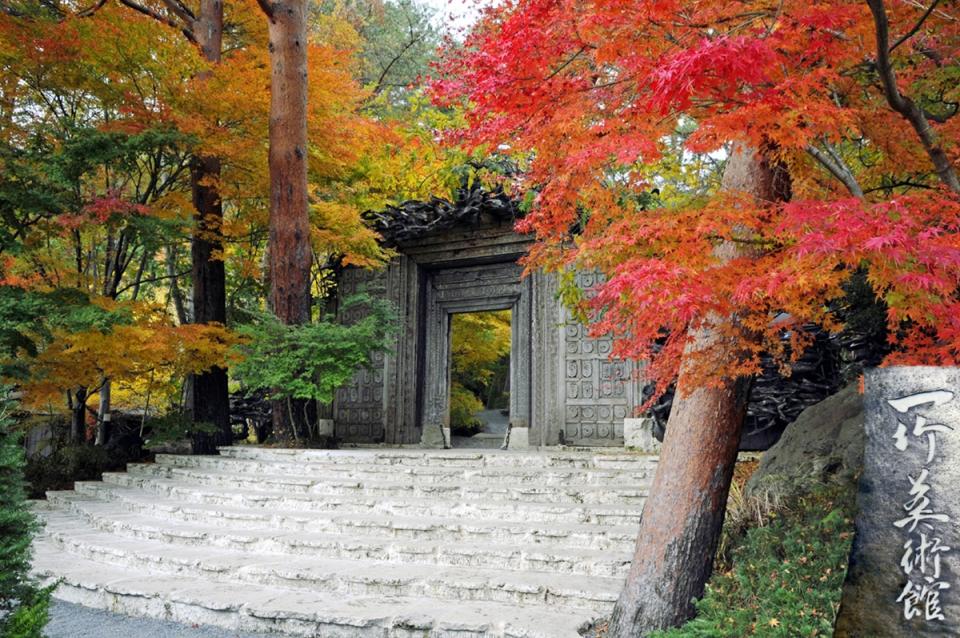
(364, 542)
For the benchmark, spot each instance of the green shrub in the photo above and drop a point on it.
(23, 604)
(464, 404)
(786, 573)
(172, 427)
(310, 361)
(68, 464)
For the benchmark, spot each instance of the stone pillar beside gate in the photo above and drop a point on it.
(475, 288)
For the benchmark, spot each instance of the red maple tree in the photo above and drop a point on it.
(837, 122)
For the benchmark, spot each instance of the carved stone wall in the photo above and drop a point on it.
(563, 385)
(359, 405)
(597, 393)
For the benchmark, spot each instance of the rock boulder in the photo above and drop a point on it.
(825, 443)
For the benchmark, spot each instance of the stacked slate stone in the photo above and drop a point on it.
(828, 364)
(414, 219)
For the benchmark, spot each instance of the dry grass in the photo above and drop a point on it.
(742, 511)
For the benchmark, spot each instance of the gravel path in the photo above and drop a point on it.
(495, 425)
(74, 621)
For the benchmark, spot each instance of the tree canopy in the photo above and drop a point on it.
(104, 112)
(605, 100)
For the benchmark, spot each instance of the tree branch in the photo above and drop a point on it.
(175, 293)
(904, 105)
(159, 17)
(901, 184)
(181, 11)
(267, 7)
(909, 34)
(383, 75)
(565, 64)
(836, 168)
(148, 280)
(89, 11)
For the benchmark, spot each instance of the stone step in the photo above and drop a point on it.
(299, 612)
(595, 459)
(615, 538)
(483, 475)
(341, 577)
(322, 486)
(341, 544)
(106, 516)
(477, 509)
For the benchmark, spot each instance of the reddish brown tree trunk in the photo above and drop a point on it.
(210, 397)
(289, 245)
(683, 516)
(207, 394)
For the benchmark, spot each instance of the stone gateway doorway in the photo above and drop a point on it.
(564, 389)
(480, 345)
(475, 288)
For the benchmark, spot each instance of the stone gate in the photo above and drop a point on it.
(564, 387)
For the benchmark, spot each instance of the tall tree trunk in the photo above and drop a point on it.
(210, 401)
(104, 416)
(683, 516)
(78, 415)
(289, 247)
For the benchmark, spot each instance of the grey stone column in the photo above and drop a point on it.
(520, 364)
(436, 410)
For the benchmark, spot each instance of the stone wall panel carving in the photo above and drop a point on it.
(359, 405)
(598, 393)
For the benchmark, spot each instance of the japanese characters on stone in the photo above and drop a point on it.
(924, 547)
(903, 574)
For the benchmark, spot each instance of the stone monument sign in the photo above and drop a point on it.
(904, 577)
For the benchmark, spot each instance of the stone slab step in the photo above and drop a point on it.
(106, 516)
(456, 491)
(614, 538)
(341, 577)
(301, 613)
(371, 542)
(477, 509)
(598, 459)
(483, 475)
